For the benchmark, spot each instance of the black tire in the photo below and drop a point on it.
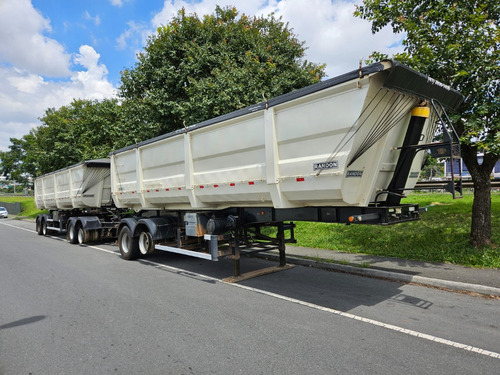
(81, 235)
(38, 226)
(71, 234)
(45, 231)
(145, 242)
(128, 245)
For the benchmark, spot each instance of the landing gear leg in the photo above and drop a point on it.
(281, 244)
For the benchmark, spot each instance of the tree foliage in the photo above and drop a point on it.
(197, 68)
(82, 130)
(19, 163)
(79, 131)
(191, 70)
(456, 42)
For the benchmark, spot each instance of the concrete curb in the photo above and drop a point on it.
(391, 275)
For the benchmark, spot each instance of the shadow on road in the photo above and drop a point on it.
(335, 290)
(339, 291)
(22, 322)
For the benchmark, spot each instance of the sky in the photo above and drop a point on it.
(53, 51)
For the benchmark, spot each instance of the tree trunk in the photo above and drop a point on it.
(480, 234)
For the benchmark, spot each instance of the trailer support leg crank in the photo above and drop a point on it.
(238, 276)
(281, 244)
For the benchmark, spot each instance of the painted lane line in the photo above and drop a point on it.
(391, 327)
(373, 322)
(60, 239)
(376, 323)
(14, 226)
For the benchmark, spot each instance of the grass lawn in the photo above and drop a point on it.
(441, 235)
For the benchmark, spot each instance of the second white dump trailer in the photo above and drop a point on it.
(343, 150)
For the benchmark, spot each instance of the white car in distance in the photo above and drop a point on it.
(3, 212)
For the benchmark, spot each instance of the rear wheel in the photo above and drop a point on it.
(45, 231)
(128, 245)
(39, 226)
(71, 234)
(81, 235)
(146, 243)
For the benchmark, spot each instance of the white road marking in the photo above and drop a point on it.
(15, 226)
(391, 327)
(376, 323)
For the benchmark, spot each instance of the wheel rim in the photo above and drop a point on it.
(144, 242)
(44, 228)
(71, 233)
(80, 236)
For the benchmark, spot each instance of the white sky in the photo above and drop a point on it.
(54, 51)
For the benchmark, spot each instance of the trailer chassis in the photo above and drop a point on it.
(236, 232)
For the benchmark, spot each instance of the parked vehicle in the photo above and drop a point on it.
(343, 150)
(3, 212)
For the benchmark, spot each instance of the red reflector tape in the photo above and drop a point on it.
(300, 179)
(179, 188)
(232, 184)
(202, 187)
(251, 183)
(216, 186)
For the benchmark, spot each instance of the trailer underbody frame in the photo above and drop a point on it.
(226, 234)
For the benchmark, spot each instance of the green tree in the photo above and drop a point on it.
(18, 164)
(194, 69)
(431, 169)
(82, 130)
(456, 42)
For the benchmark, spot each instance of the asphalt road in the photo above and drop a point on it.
(70, 309)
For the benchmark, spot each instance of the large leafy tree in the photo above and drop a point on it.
(197, 68)
(79, 131)
(82, 130)
(193, 69)
(456, 42)
(18, 163)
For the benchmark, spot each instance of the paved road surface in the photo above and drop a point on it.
(83, 310)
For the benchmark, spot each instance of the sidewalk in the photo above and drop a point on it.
(442, 275)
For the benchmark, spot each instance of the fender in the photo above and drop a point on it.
(161, 228)
(72, 220)
(130, 222)
(89, 222)
(41, 217)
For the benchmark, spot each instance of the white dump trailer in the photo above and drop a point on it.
(75, 195)
(336, 143)
(85, 185)
(343, 150)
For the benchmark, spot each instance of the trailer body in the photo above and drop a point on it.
(343, 150)
(331, 144)
(84, 185)
(79, 200)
